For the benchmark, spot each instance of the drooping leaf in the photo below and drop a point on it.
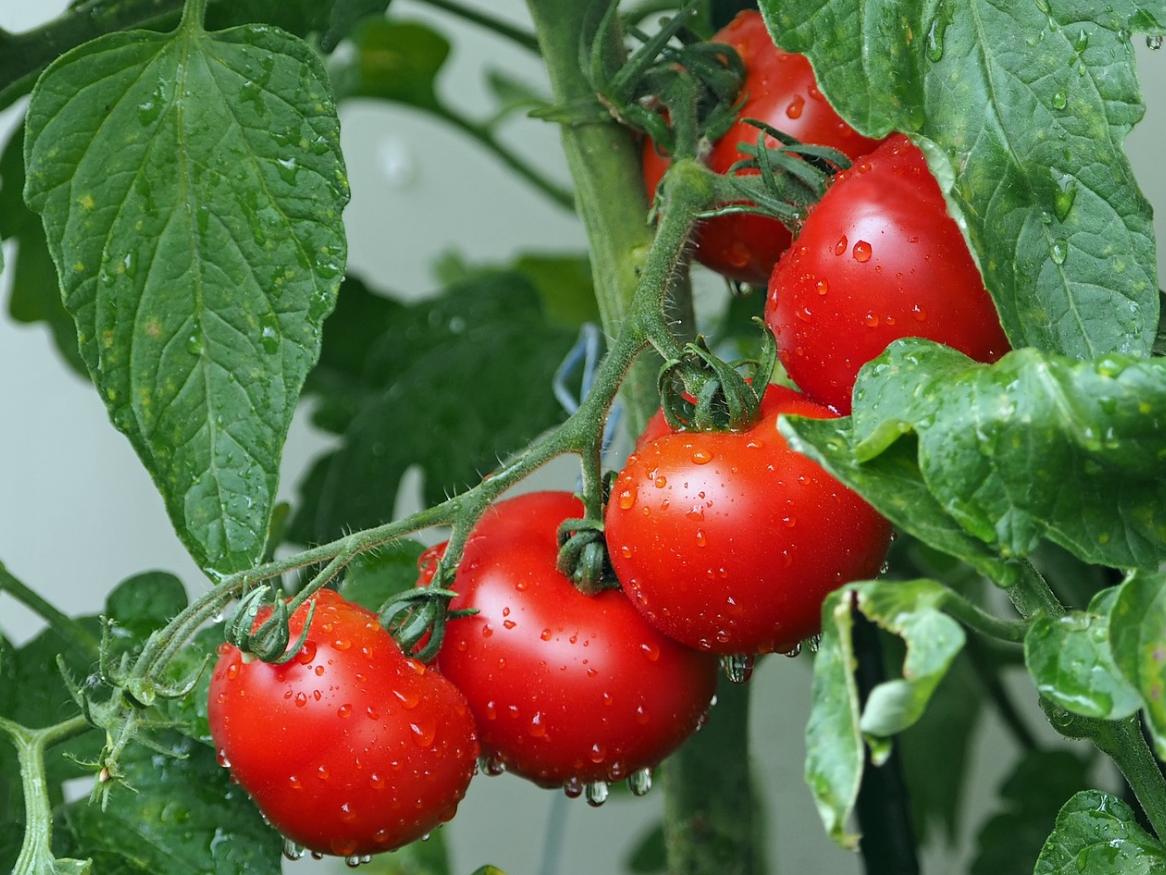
(179, 816)
(373, 578)
(35, 295)
(1137, 637)
(1097, 834)
(1034, 446)
(452, 385)
(1070, 659)
(191, 186)
(1030, 103)
(1008, 842)
(893, 484)
(145, 602)
(838, 727)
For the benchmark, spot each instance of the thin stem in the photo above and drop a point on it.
(73, 632)
(1126, 745)
(516, 35)
(193, 15)
(516, 163)
(976, 618)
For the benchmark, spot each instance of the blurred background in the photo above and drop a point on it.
(78, 512)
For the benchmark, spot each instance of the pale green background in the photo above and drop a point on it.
(78, 512)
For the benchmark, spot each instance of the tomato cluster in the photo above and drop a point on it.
(723, 542)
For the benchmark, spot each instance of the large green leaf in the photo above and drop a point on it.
(1097, 834)
(839, 724)
(1137, 637)
(176, 816)
(1030, 103)
(191, 186)
(1036, 445)
(1070, 659)
(472, 367)
(1008, 842)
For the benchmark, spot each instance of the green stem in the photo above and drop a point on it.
(1124, 742)
(976, 618)
(517, 35)
(193, 15)
(711, 816)
(604, 162)
(36, 856)
(516, 163)
(73, 632)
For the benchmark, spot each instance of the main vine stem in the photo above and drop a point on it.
(705, 778)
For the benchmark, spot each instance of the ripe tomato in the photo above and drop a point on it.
(780, 90)
(877, 259)
(566, 688)
(349, 748)
(730, 541)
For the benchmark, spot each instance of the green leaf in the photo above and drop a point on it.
(1137, 637)
(36, 295)
(1031, 103)
(1036, 445)
(649, 855)
(343, 18)
(1070, 660)
(373, 578)
(473, 366)
(145, 602)
(1009, 841)
(191, 186)
(179, 816)
(837, 725)
(393, 60)
(893, 484)
(1097, 834)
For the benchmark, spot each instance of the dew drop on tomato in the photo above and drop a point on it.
(862, 252)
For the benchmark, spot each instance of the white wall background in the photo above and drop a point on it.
(78, 512)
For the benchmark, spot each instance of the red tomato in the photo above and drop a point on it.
(730, 541)
(781, 91)
(566, 688)
(878, 259)
(349, 748)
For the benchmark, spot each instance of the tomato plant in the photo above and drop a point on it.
(729, 542)
(350, 747)
(969, 324)
(567, 689)
(878, 259)
(779, 90)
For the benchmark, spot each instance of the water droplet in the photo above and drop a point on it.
(1059, 251)
(292, 851)
(650, 650)
(661, 481)
(935, 34)
(862, 252)
(537, 728)
(596, 793)
(871, 320)
(194, 344)
(822, 286)
(1081, 41)
(492, 765)
(1154, 41)
(221, 757)
(738, 667)
(701, 539)
(572, 788)
(919, 313)
(598, 753)
(288, 169)
(840, 246)
(301, 699)
(423, 734)
(1064, 194)
(627, 498)
(344, 711)
(796, 650)
(346, 813)
(1060, 100)
(796, 107)
(269, 333)
(701, 457)
(640, 781)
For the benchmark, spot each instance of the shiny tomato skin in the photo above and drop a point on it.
(878, 259)
(565, 687)
(780, 90)
(349, 748)
(730, 541)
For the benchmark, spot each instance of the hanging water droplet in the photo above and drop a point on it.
(794, 651)
(572, 788)
(814, 642)
(292, 851)
(352, 861)
(492, 765)
(596, 793)
(738, 667)
(640, 782)
(1154, 42)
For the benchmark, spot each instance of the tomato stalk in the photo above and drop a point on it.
(36, 854)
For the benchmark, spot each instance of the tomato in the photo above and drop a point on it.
(351, 747)
(780, 90)
(877, 259)
(566, 688)
(730, 541)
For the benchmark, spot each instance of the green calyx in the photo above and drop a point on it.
(700, 391)
(583, 556)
